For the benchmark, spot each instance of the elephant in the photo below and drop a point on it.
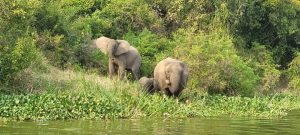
(170, 77)
(147, 84)
(121, 55)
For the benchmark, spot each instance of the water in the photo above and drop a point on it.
(212, 126)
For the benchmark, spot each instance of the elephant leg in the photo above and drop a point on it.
(167, 92)
(136, 69)
(115, 68)
(177, 93)
(111, 68)
(155, 85)
(136, 73)
(121, 71)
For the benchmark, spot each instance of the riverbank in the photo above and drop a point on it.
(123, 104)
(77, 95)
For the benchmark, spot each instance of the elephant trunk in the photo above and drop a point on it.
(111, 48)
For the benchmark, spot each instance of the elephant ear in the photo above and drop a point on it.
(122, 48)
(102, 43)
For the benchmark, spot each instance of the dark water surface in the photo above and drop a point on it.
(212, 126)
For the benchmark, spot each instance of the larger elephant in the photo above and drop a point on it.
(170, 77)
(121, 55)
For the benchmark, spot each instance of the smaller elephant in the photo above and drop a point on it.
(121, 55)
(147, 84)
(170, 77)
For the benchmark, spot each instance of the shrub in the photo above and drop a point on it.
(149, 46)
(17, 40)
(119, 17)
(257, 21)
(64, 33)
(294, 74)
(65, 28)
(184, 13)
(261, 61)
(214, 64)
(16, 57)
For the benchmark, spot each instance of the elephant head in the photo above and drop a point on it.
(147, 84)
(111, 47)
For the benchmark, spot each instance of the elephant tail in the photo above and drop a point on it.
(175, 82)
(168, 82)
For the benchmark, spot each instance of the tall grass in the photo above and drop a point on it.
(88, 96)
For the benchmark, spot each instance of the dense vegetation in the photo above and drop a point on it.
(103, 98)
(245, 48)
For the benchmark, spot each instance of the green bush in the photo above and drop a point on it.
(65, 31)
(261, 61)
(17, 18)
(66, 27)
(294, 75)
(149, 46)
(17, 37)
(184, 13)
(119, 17)
(272, 23)
(214, 64)
(16, 57)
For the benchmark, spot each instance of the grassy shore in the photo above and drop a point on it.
(76, 95)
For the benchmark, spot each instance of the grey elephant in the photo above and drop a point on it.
(170, 77)
(121, 55)
(147, 84)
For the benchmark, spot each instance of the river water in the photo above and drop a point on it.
(212, 126)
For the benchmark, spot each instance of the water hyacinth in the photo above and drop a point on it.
(123, 104)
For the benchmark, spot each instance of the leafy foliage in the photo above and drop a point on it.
(232, 46)
(149, 45)
(260, 60)
(96, 101)
(214, 64)
(272, 23)
(17, 43)
(294, 75)
(122, 16)
(17, 58)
